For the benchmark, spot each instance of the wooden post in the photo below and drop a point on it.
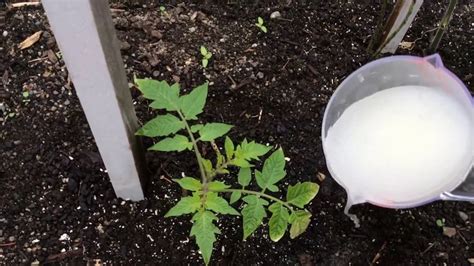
(86, 36)
(398, 23)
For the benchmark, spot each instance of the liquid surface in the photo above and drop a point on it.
(401, 145)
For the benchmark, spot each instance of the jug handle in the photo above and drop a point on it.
(464, 192)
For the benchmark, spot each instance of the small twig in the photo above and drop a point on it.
(166, 179)
(312, 69)
(378, 255)
(462, 237)
(243, 83)
(284, 66)
(428, 248)
(8, 244)
(22, 4)
(37, 59)
(289, 42)
(233, 82)
(260, 115)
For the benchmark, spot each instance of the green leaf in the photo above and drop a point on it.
(219, 205)
(189, 183)
(185, 205)
(253, 214)
(26, 94)
(235, 196)
(164, 95)
(264, 29)
(241, 163)
(248, 151)
(207, 165)
(212, 131)
(279, 221)
(162, 125)
(217, 185)
(196, 128)
(299, 221)
(273, 171)
(229, 148)
(177, 143)
(204, 62)
(203, 51)
(272, 188)
(301, 193)
(208, 56)
(260, 20)
(205, 232)
(193, 103)
(244, 176)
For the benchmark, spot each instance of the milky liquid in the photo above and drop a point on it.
(401, 145)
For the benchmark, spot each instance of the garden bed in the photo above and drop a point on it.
(57, 204)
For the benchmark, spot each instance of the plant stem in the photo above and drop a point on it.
(196, 150)
(443, 26)
(410, 10)
(378, 32)
(258, 194)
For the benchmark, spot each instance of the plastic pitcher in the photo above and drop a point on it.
(391, 72)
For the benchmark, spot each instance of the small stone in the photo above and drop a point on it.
(64, 237)
(449, 231)
(54, 108)
(35, 263)
(321, 176)
(192, 29)
(260, 75)
(275, 15)
(156, 73)
(156, 34)
(463, 216)
(67, 102)
(17, 142)
(125, 45)
(5, 33)
(471, 260)
(11, 239)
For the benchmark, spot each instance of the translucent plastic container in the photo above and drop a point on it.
(396, 71)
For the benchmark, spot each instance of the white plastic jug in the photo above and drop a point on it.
(383, 178)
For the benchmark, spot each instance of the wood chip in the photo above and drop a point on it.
(52, 56)
(449, 231)
(321, 176)
(407, 45)
(30, 40)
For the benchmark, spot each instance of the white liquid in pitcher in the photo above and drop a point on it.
(400, 145)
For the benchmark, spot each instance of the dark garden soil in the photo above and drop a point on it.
(57, 204)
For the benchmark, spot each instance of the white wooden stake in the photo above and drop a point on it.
(392, 45)
(86, 36)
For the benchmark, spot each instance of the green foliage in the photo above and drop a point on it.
(440, 222)
(205, 232)
(253, 213)
(207, 200)
(299, 221)
(279, 221)
(206, 56)
(260, 25)
(176, 143)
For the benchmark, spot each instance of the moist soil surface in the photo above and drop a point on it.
(57, 204)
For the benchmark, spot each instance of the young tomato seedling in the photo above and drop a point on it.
(206, 55)
(178, 130)
(260, 25)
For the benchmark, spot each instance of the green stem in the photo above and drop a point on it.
(258, 194)
(443, 25)
(196, 150)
